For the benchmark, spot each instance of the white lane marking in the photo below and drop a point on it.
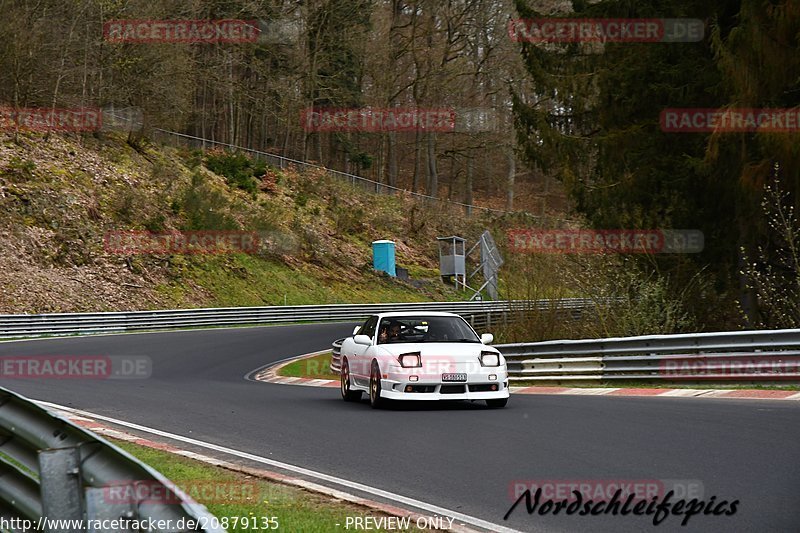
(717, 393)
(397, 498)
(685, 392)
(318, 382)
(297, 482)
(589, 392)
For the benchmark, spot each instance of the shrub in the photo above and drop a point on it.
(239, 170)
(348, 220)
(193, 158)
(205, 207)
(629, 299)
(774, 273)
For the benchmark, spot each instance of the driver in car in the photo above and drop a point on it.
(390, 333)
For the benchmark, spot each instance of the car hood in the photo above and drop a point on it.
(451, 349)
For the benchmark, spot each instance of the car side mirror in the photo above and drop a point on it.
(355, 331)
(362, 339)
(487, 338)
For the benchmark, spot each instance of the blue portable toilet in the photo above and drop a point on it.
(383, 257)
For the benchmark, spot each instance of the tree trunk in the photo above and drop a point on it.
(417, 161)
(391, 157)
(433, 174)
(512, 172)
(348, 143)
(468, 185)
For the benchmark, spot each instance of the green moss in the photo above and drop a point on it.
(420, 272)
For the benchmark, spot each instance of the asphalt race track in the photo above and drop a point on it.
(459, 456)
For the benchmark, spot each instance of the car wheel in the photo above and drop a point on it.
(375, 399)
(497, 403)
(348, 394)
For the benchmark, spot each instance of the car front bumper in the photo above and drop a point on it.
(399, 386)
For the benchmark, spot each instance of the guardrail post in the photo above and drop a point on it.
(100, 507)
(60, 488)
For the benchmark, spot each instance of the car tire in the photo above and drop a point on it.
(497, 403)
(348, 394)
(375, 400)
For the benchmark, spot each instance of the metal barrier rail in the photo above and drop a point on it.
(83, 323)
(50, 467)
(757, 357)
(753, 357)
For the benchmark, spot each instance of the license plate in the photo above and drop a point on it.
(454, 377)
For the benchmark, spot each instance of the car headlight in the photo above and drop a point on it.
(410, 360)
(490, 359)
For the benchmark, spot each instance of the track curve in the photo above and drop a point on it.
(459, 456)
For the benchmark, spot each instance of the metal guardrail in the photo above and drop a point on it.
(752, 357)
(51, 468)
(111, 322)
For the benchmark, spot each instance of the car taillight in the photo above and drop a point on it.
(410, 360)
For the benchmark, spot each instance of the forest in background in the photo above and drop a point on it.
(317, 54)
(582, 114)
(593, 120)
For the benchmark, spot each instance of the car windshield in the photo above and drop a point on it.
(415, 329)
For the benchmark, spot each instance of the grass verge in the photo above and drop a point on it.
(231, 494)
(317, 367)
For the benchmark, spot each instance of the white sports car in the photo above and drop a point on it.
(422, 356)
